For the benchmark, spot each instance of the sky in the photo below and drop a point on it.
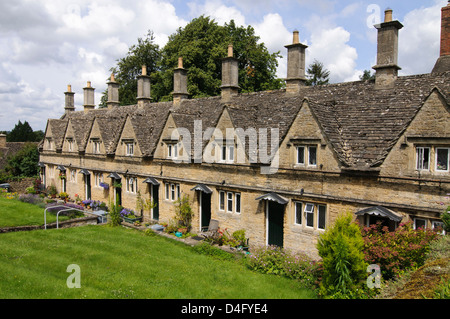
(46, 45)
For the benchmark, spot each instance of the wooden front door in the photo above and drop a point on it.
(205, 209)
(275, 223)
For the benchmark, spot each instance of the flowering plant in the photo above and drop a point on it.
(62, 175)
(104, 185)
(127, 213)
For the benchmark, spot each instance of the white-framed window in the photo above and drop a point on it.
(98, 178)
(420, 223)
(73, 175)
(442, 159)
(129, 148)
(131, 184)
(298, 213)
(172, 150)
(423, 158)
(237, 203)
(309, 214)
(96, 147)
(49, 144)
(227, 153)
(438, 224)
(312, 155)
(300, 155)
(221, 200)
(173, 191)
(306, 155)
(229, 202)
(70, 145)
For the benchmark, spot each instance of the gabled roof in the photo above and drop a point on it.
(58, 128)
(360, 123)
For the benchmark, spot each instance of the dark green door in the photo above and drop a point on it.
(206, 208)
(155, 194)
(275, 223)
(88, 186)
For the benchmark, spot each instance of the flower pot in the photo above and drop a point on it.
(183, 230)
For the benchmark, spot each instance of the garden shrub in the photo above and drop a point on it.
(344, 267)
(183, 212)
(395, 252)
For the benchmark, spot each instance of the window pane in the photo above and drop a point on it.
(309, 210)
(167, 191)
(238, 203)
(300, 155)
(419, 223)
(178, 191)
(221, 200)
(224, 153)
(230, 202)
(312, 155)
(172, 188)
(321, 218)
(442, 159)
(298, 213)
(231, 153)
(423, 158)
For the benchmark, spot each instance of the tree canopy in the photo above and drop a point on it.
(203, 44)
(317, 74)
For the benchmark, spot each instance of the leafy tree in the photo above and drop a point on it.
(367, 76)
(203, 44)
(24, 162)
(317, 74)
(22, 132)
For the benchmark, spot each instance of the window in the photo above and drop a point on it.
(423, 158)
(420, 223)
(309, 214)
(49, 144)
(70, 145)
(131, 184)
(98, 178)
(227, 153)
(298, 213)
(172, 191)
(221, 200)
(312, 155)
(321, 216)
(129, 148)
(301, 155)
(73, 175)
(229, 202)
(172, 151)
(96, 147)
(438, 225)
(237, 208)
(442, 159)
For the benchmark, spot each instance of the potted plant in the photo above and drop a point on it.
(129, 216)
(64, 196)
(117, 185)
(183, 213)
(104, 185)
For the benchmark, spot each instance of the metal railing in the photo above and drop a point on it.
(67, 209)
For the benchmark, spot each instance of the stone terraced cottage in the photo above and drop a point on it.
(280, 164)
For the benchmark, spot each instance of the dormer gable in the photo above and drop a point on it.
(128, 144)
(95, 144)
(70, 143)
(174, 143)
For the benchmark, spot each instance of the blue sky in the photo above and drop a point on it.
(47, 45)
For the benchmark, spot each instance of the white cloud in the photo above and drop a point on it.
(419, 40)
(218, 11)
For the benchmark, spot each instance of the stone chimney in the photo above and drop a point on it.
(387, 52)
(443, 62)
(70, 100)
(179, 83)
(230, 75)
(113, 93)
(143, 87)
(2, 140)
(89, 100)
(295, 65)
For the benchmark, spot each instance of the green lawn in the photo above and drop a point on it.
(16, 213)
(116, 262)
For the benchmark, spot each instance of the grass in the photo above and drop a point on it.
(116, 262)
(16, 213)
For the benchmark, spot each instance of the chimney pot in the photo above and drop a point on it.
(388, 15)
(179, 83)
(296, 38)
(180, 62)
(144, 70)
(89, 100)
(113, 93)
(230, 50)
(143, 82)
(230, 75)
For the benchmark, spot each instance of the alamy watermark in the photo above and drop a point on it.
(374, 279)
(236, 146)
(74, 280)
